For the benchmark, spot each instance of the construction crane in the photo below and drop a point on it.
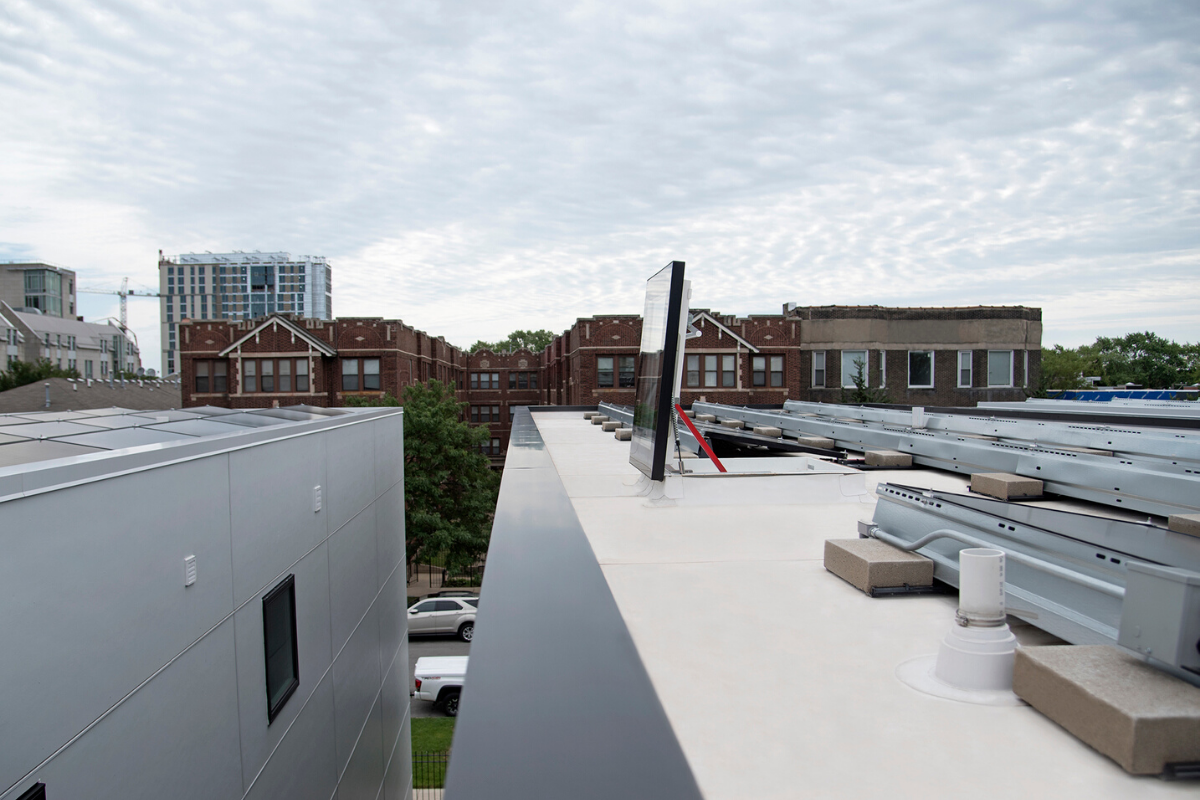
(124, 293)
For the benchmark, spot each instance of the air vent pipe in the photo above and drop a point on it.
(977, 652)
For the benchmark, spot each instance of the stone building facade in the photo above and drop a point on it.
(917, 356)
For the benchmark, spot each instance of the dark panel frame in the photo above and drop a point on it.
(660, 402)
(287, 585)
(35, 792)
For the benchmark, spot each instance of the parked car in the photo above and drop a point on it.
(450, 616)
(439, 679)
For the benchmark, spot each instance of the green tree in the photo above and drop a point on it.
(863, 393)
(1062, 368)
(20, 373)
(388, 399)
(1143, 358)
(449, 489)
(536, 341)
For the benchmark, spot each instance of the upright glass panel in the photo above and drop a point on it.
(655, 389)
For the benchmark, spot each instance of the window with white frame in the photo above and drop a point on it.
(759, 374)
(852, 362)
(818, 370)
(965, 374)
(920, 369)
(1000, 367)
(718, 370)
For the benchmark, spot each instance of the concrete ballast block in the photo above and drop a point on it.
(590, 414)
(624, 434)
(816, 441)
(599, 419)
(611, 425)
(767, 430)
(1005, 486)
(1139, 716)
(690, 413)
(869, 564)
(733, 423)
(888, 458)
(1185, 523)
(706, 417)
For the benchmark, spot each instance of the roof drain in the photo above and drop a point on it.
(975, 662)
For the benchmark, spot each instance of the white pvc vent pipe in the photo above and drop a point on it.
(981, 586)
(977, 653)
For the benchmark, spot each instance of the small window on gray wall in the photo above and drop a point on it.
(279, 641)
(35, 792)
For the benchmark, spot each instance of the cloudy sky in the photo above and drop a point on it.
(476, 167)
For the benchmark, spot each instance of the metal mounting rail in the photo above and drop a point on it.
(1151, 486)
(1182, 410)
(624, 415)
(1122, 441)
(1066, 571)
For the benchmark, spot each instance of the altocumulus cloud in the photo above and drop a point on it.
(474, 168)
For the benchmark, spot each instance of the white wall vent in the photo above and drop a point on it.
(189, 570)
(316, 499)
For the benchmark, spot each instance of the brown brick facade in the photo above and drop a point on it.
(595, 359)
(797, 337)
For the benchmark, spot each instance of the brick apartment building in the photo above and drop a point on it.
(284, 360)
(920, 356)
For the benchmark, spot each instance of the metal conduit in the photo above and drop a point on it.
(1029, 561)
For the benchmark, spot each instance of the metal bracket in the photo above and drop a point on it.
(1182, 771)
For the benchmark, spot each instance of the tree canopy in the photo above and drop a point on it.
(20, 373)
(449, 489)
(1144, 358)
(536, 341)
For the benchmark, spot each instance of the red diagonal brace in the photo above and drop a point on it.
(703, 442)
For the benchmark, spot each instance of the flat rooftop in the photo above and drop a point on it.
(28, 438)
(773, 677)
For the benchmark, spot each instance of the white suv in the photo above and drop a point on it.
(453, 616)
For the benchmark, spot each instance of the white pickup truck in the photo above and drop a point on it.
(439, 679)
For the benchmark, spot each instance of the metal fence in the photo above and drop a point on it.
(440, 576)
(429, 775)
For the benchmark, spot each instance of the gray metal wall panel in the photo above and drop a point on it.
(315, 652)
(393, 622)
(102, 589)
(303, 767)
(395, 697)
(356, 682)
(272, 508)
(351, 468)
(557, 700)
(389, 441)
(94, 601)
(353, 574)
(397, 781)
(389, 527)
(153, 736)
(364, 774)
